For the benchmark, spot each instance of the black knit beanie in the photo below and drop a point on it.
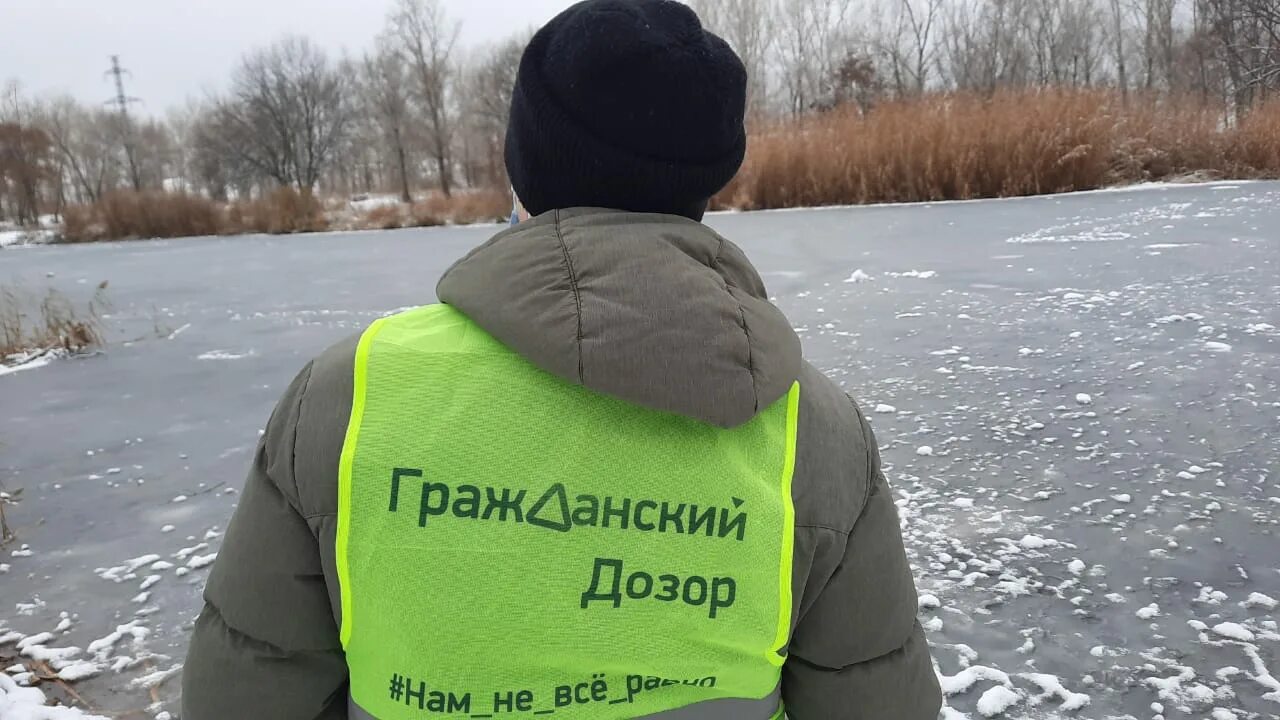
(629, 105)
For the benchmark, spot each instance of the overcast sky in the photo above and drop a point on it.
(180, 48)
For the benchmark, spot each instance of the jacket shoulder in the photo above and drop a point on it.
(835, 456)
(320, 428)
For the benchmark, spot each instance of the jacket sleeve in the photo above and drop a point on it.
(858, 652)
(266, 644)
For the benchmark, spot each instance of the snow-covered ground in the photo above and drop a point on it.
(11, 236)
(1078, 400)
(16, 238)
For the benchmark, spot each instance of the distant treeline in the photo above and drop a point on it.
(834, 86)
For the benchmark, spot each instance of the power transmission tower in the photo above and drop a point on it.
(122, 101)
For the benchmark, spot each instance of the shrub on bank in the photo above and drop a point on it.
(125, 214)
(282, 211)
(1255, 143)
(467, 207)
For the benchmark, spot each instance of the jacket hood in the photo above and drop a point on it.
(657, 310)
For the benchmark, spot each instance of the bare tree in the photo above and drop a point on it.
(214, 170)
(24, 167)
(912, 47)
(156, 155)
(1084, 25)
(386, 93)
(857, 81)
(285, 116)
(1117, 36)
(25, 158)
(85, 145)
(487, 106)
(986, 45)
(746, 26)
(814, 40)
(427, 38)
(182, 125)
(1158, 39)
(1248, 33)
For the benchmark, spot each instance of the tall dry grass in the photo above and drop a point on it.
(32, 326)
(467, 207)
(7, 535)
(282, 211)
(1256, 142)
(123, 215)
(963, 146)
(51, 322)
(127, 214)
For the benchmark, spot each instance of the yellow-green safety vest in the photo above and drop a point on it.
(510, 544)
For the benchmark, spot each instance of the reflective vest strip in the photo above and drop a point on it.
(778, 656)
(344, 473)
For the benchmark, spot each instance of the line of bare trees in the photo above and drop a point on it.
(416, 112)
(808, 55)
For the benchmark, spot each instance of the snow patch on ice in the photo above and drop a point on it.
(79, 670)
(28, 703)
(997, 700)
(30, 360)
(1148, 612)
(1259, 600)
(200, 561)
(101, 648)
(1035, 542)
(120, 573)
(1052, 687)
(962, 681)
(225, 355)
(155, 679)
(18, 238)
(1234, 631)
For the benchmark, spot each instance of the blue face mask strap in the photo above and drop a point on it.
(515, 208)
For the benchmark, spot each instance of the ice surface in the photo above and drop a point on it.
(1039, 525)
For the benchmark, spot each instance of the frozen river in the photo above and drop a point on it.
(1078, 399)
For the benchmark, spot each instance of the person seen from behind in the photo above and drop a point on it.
(597, 480)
